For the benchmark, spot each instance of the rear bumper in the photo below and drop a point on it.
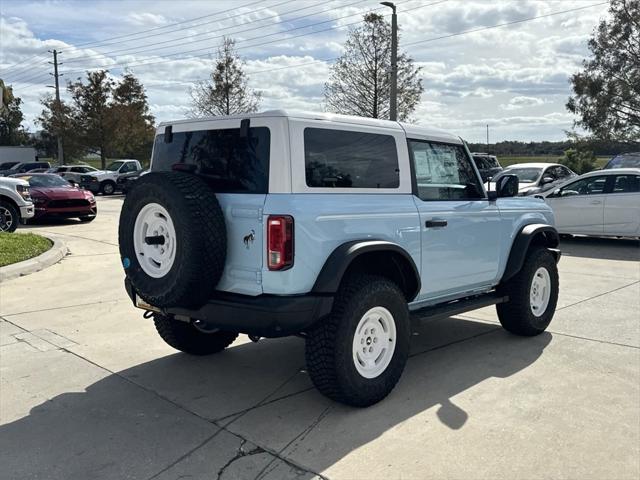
(263, 315)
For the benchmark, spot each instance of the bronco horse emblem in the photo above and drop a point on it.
(249, 238)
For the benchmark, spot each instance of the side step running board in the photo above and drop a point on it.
(457, 307)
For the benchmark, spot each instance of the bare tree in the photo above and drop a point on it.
(226, 91)
(359, 83)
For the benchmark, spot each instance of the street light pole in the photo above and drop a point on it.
(393, 109)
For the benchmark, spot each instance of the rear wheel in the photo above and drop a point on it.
(8, 217)
(533, 295)
(357, 355)
(187, 338)
(108, 188)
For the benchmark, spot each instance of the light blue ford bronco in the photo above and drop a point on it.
(333, 228)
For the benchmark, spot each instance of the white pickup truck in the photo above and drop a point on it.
(105, 181)
(15, 203)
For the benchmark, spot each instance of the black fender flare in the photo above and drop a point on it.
(334, 268)
(543, 234)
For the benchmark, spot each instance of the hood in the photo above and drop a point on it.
(13, 182)
(57, 193)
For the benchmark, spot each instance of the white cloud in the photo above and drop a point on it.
(471, 80)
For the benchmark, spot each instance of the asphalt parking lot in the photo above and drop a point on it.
(88, 390)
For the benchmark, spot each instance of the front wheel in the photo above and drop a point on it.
(87, 218)
(187, 338)
(357, 355)
(533, 295)
(9, 217)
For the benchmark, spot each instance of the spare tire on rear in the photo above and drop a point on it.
(173, 240)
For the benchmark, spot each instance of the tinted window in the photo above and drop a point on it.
(586, 186)
(338, 158)
(129, 167)
(228, 162)
(485, 162)
(626, 184)
(443, 172)
(629, 160)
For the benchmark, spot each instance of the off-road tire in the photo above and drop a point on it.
(188, 339)
(329, 354)
(107, 187)
(201, 240)
(516, 315)
(15, 217)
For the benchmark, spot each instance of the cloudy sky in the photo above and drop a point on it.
(514, 78)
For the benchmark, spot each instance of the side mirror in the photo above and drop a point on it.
(547, 179)
(507, 186)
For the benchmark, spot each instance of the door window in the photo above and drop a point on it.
(443, 172)
(349, 159)
(586, 186)
(626, 184)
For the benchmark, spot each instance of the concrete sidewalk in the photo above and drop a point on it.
(88, 389)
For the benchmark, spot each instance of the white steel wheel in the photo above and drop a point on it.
(374, 342)
(540, 292)
(154, 240)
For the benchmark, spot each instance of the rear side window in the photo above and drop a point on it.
(444, 172)
(348, 159)
(230, 164)
(626, 184)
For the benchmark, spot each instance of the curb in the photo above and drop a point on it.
(56, 253)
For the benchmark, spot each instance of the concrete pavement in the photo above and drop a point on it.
(88, 389)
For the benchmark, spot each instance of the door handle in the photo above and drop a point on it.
(435, 223)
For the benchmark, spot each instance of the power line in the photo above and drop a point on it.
(127, 65)
(102, 42)
(156, 46)
(506, 24)
(465, 32)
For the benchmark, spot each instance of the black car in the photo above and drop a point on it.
(624, 160)
(126, 181)
(487, 165)
(23, 167)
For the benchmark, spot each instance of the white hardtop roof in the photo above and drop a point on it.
(411, 129)
(614, 171)
(531, 165)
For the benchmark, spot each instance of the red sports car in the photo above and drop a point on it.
(53, 197)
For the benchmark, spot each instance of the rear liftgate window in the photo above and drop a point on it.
(347, 159)
(229, 163)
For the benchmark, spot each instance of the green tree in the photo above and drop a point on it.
(580, 161)
(131, 123)
(607, 90)
(359, 83)
(226, 92)
(59, 120)
(92, 112)
(11, 117)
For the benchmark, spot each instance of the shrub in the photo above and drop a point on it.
(580, 161)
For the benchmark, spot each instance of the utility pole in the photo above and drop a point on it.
(56, 76)
(393, 110)
(487, 135)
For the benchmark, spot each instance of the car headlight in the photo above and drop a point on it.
(23, 191)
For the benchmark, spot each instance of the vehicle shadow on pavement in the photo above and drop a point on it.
(601, 248)
(115, 429)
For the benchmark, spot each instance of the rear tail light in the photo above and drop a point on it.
(279, 242)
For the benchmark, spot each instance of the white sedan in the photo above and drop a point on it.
(603, 203)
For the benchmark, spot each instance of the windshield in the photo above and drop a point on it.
(115, 166)
(45, 181)
(7, 165)
(525, 175)
(485, 162)
(625, 161)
